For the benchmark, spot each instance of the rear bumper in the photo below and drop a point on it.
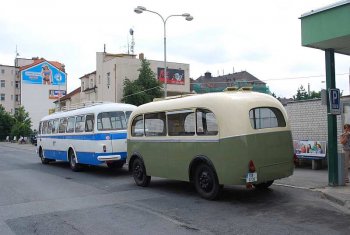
(109, 158)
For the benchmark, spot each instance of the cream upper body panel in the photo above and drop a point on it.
(231, 110)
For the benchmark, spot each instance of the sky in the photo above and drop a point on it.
(225, 36)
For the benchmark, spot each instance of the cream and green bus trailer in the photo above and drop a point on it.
(211, 140)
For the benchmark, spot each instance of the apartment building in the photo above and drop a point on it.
(33, 83)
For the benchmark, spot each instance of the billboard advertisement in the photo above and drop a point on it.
(310, 149)
(174, 76)
(55, 94)
(44, 74)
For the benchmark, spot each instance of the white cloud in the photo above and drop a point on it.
(261, 37)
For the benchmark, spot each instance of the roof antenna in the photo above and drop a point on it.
(132, 45)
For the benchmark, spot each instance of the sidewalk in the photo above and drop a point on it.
(317, 180)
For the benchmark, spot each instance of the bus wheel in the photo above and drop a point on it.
(206, 182)
(73, 161)
(264, 185)
(41, 155)
(115, 165)
(139, 173)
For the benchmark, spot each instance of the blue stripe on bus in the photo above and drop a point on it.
(89, 158)
(102, 136)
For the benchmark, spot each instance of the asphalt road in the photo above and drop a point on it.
(51, 199)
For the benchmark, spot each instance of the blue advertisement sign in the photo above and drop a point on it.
(55, 94)
(45, 74)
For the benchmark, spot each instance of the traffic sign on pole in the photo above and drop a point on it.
(334, 101)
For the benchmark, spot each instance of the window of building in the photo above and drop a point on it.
(17, 84)
(206, 122)
(11, 97)
(266, 118)
(82, 86)
(3, 71)
(2, 97)
(181, 123)
(108, 79)
(155, 124)
(92, 83)
(2, 83)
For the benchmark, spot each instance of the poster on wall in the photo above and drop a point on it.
(174, 76)
(55, 94)
(44, 74)
(310, 149)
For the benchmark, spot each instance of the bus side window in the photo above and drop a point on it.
(181, 123)
(70, 125)
(40, 127)
(44, 127)
(206, 122)
(79, 123)
(137, 126)
(63, 125)
(89, 123)
(49, 126)
(55, 123)
(155, 124)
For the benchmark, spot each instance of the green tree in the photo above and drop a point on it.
(301, 94)
(144, 89)
(6, 123)
(314, 95)
(22, 123)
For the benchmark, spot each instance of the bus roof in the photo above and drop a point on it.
(213, 101)
(108, 107)
(231, 108)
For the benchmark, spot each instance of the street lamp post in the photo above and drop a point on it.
(187, 16)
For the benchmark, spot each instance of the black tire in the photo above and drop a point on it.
(206, 182)
(73, 162)
(264, 185)
(139, 173)
(115, 165)
(42, 158)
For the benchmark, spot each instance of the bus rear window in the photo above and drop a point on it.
(111, 121)
(266, 117)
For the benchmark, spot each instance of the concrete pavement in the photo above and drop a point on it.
(317, 180)
(303, 178)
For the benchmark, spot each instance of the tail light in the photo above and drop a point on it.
(251, 166)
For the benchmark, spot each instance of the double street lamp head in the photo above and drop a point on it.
(141, 9)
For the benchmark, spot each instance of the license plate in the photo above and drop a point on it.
(252, 177)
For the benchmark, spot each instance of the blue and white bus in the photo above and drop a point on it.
(92, 135)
